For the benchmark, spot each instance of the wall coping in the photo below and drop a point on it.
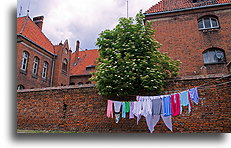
(57, 88)
(186, 78)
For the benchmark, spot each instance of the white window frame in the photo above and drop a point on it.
(25, 57)
(45, 69)
(35, 66)
(20, 87)
(211, 24)
(214, 50)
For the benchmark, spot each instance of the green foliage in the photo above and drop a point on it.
(129, 62)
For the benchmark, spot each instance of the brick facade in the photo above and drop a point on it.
(27, 79)
(31, 39)
(181, 39)
(62, 74)
(81, 109)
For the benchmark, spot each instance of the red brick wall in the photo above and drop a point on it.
(26, 79)
(178, 33)
(82, 109)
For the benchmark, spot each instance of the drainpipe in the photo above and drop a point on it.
(52, 70)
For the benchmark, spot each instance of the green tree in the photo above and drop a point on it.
(129, 62)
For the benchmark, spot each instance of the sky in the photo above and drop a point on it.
(81, 20)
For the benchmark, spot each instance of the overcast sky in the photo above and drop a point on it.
(80, 20)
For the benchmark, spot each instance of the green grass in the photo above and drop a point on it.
(42, 131)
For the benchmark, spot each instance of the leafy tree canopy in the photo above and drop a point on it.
(129, 62)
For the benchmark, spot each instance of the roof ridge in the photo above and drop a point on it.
(24, 24)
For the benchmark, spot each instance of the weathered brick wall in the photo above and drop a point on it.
(182, 40)
(82, 109)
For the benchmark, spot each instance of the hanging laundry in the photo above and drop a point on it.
(117, 106)
(184, 101)
(194, 95)
(131, 115)
(137, 110)
(167, 106)
(147, 107)
(152, 120)
(110, 109)
(123, 110)
(175, 104)
(127, 104)
(156, 106)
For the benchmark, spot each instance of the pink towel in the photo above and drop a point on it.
(175, 104)
(110, 109)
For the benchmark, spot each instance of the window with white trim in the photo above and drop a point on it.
(25, 57)
(208, 23)
(35, 66)
(45, 69)
(214, 56)
(20, 87)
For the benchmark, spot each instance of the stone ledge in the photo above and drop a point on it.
(57, 88)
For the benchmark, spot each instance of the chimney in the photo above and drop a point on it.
(38, 21)
(77, 51)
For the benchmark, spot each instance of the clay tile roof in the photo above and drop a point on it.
(27, 28)
(169, 5)
(87, 58)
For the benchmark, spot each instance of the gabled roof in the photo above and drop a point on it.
(87, 58)
(170, 5)
(27, 28)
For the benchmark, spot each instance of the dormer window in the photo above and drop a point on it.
(208, 23)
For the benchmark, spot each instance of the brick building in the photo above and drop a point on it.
(196, 32)
(82, 64)
(39, 62)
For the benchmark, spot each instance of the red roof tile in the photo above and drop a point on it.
(86, 58)
(169, 5)
(27, 28)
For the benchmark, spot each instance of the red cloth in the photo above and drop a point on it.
(175, 104)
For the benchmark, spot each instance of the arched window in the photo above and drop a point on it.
(64, 67)
(25, 58)
(35, 66)
(80, 83)
(214, 56)
(45, 69)
(88, 82)
(208, 23)
(20, 87)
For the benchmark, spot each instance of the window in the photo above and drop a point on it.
(80, 83)
(45, 69)
(35, 66)
(25, 57)
(20, 87)
(208, 23)
(90, 67)
(88, 82)
(64, 67)
(214, 56)
(72, 83)
(66, 51)
(196, 1)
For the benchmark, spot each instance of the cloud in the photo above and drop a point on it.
(81, 19)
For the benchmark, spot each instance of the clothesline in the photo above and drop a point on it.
(154, 107)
